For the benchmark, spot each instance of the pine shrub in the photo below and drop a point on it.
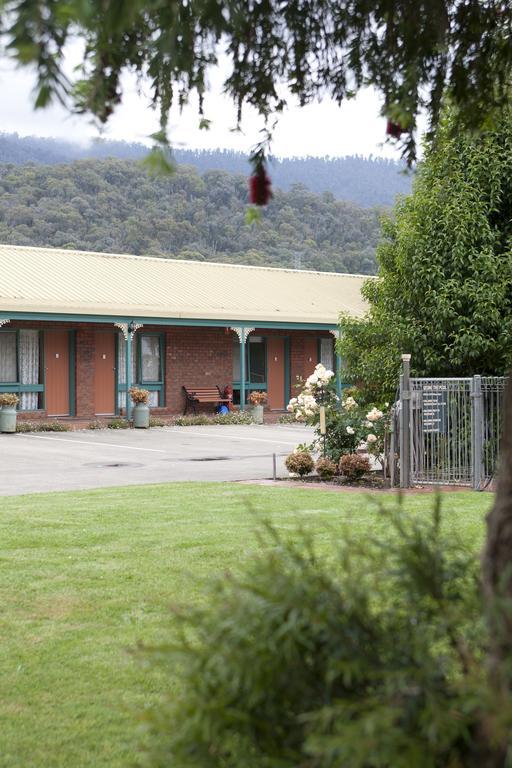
(370, 657)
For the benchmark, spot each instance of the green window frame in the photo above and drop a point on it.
(250, 386)
(16, 386)
(156, 385)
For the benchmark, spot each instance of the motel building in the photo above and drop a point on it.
(77, 329)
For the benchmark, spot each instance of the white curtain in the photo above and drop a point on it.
(327, 353)
(150, 358)
(121, 360)
(8, 374)
(28, 355)
(121, 367)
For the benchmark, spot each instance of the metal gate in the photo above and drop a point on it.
(450, 429)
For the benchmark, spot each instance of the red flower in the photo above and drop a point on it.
(260, 188)
(394, 129)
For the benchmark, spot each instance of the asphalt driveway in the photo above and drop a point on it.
(61, 461)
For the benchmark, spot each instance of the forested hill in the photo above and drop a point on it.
(365, 181)
(114, 206)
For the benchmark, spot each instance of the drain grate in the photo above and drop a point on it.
(212, 458)
(113, 464)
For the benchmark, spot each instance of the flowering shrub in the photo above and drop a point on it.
(353, 466)
(8, 399)
(300, 463)
(317, 387)
(326, 468)
(258, 398)
(139, 395)
(349, 425)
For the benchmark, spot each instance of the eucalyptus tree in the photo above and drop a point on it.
(411, 52)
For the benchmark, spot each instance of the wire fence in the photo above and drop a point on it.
(450, 430)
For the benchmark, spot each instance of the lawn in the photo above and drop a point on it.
(85, 576)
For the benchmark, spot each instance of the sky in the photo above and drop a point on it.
(319, 129)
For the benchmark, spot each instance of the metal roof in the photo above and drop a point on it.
(61, 281)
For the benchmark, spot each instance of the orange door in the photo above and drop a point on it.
(276, 350)
(105, 374)
(56, 356)
(310, 355)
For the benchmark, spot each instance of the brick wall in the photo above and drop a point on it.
(193, 356)
(197, 357)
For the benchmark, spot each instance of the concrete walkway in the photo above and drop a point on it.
(37, 462)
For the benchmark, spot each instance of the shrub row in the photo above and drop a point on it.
(351, 465)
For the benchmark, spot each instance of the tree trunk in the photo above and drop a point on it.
(497, 563)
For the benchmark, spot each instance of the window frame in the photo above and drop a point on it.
(251, 386)
(16, 386)
(151, 386)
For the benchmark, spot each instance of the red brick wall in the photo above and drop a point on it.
(193, 356)
(197, 357)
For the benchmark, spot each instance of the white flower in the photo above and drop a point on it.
(368, 424)
(350, 431)
(374, 415)
(371, 438)
(298, 415)
(349, 403)
(313, 379)
(289, 407)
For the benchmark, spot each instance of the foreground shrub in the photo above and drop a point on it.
(369, 657)
(156, 422)
(118, 424)
(43, 426)
(300, 463)
(199, 420)
(326, 468)
(353, 466)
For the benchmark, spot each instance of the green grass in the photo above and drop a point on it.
(85, 576)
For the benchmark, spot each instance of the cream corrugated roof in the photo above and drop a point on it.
(52, 280)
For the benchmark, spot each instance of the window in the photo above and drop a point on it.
(255, 366)
(8, 358)
(150, 358)
(20, 367)
(327, 353)
(147, 368)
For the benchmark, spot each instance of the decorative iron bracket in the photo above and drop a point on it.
(242, 333)
(128, 328)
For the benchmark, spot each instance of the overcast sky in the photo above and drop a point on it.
(319, 129)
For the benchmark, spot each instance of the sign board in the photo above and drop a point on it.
(434, 399)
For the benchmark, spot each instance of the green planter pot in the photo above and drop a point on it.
(256, 412)
(8, 418)
(141, 416)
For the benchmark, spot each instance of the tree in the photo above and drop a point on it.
(411, 53)
(444, 291)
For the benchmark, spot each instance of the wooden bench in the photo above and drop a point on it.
(197, 395)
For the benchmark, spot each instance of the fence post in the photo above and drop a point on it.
(476, 431)
(405, 423)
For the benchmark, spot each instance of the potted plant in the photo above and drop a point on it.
(140, 399)
(257, 400)
(8, 403)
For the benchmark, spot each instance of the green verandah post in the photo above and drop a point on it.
(337, 360)
(129, 336)
(242, 368)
